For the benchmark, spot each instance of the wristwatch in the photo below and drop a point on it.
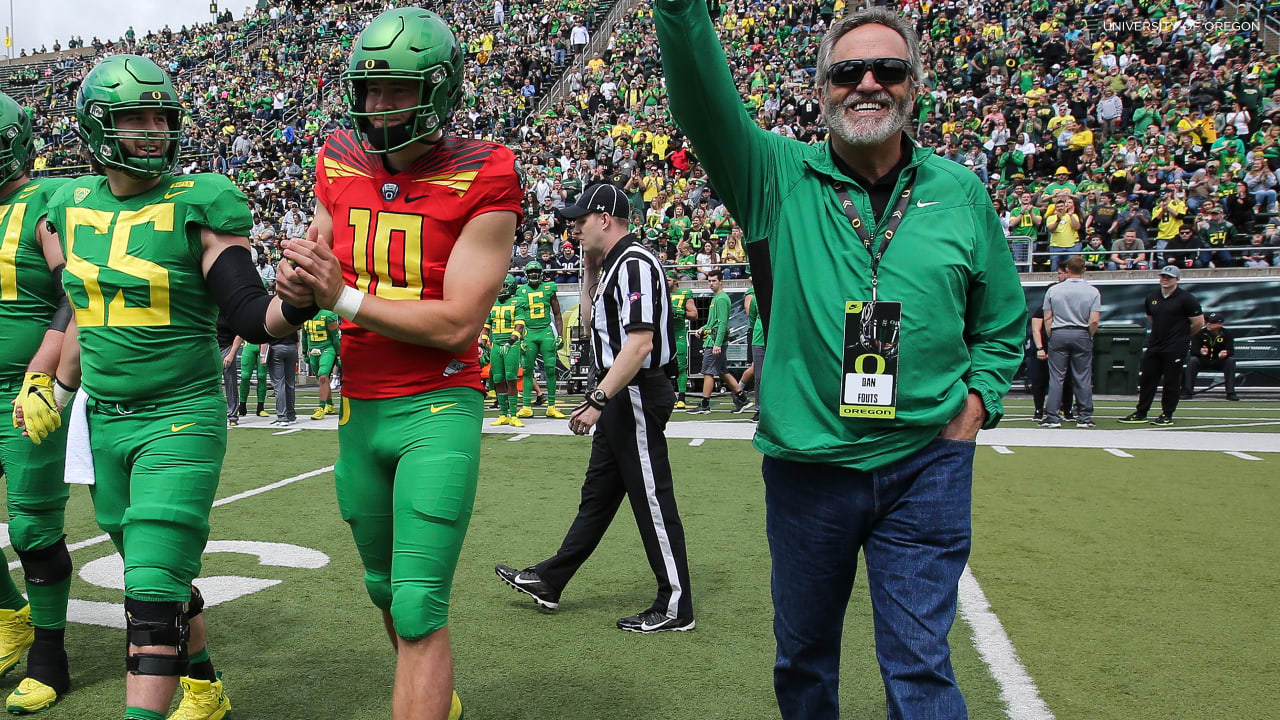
(597, 399)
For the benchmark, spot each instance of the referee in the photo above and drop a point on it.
(633, 339)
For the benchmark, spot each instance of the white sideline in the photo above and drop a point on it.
(1017, 689)
(98, 539)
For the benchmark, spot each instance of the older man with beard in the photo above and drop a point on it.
(895, 318)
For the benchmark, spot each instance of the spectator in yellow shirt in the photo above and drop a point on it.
(1064, 223)
(1168, 214)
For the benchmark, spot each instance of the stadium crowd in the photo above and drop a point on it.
(1132, 135)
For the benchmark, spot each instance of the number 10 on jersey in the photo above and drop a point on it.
(386, 253)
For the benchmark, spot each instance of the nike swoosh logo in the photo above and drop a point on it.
(525, 582)
(437, 408)
(179, 428)
(19, 693)
(927, 204)
(170, 196)
(647, 626)
(411, 198)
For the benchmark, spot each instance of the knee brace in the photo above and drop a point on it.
(196, 606)
(46, 566)
(156, 623)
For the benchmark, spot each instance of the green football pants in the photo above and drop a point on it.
(37, 496)
(540, 341)
(322, 364)
(682, 360)
(406, 483)
(157, 470)
(504, 362)
(248, 363)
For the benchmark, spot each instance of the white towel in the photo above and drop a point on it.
(79, 467)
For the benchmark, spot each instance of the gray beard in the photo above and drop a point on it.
(871, 131)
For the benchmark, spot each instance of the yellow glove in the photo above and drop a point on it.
(41, 414)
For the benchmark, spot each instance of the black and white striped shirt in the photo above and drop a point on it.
(632, 295)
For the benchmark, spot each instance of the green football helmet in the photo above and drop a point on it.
(121, 83)
(533, 271)
(16, 140)
(508, 286)
(408, 44)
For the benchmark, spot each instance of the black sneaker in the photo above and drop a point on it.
(652, 621)
(242, 410)
(1163, 421)
(1133, 419)
(742, 403)
(1049, 424)
(756, 418)
(1233, 397)
(1085, 424)
(1068, 415)
(540, 400)
(703, 408)
(528, 582)
(1038, 416)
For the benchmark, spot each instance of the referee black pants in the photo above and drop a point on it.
(629, 459)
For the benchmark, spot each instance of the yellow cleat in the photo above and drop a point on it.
(491, 395)
(30, 697)
(680, 405)
(16, 635)
(263, 413)
(554, 413)
(514, 422)
(318, 414)
(524, 412)
(455, 708)
(328, 408)
(202, 700)
(502, 420)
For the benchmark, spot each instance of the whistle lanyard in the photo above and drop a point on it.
(890, 228)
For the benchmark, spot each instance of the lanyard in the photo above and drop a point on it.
(890, 228)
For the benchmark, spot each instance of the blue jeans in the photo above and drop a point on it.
(1059, 255)
(911, 520)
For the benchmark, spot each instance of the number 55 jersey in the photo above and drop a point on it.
(393, 234)
(135, 280)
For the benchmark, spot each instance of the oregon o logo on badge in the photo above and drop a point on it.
(859, 364)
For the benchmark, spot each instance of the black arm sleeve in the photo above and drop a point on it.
(62, 316)
(238, 290)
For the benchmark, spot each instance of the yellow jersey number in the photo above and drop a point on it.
(383, 227)
(504, 319)
(16, 213)
(115, 313)
(317, 330)
(537, 308)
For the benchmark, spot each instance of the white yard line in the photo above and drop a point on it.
(696, 442)
(1118, 453)
(1243, 456)
(1222, 425)
(518, 438)
(1002, 449)
(1017, 689)
(288, 432)
(98, 539)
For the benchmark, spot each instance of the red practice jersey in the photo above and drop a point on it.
(393, 233)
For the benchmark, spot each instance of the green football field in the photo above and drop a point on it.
(1134, 585)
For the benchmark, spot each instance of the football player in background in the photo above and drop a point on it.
(683, 311)
(421, 227)
(34, 315)
(543, 337)
(253, 358)
(320, 342)
(502, 333)
(151, 259)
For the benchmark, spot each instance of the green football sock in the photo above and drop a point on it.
(137, 713)
(49, 604)
(10, 598)
(528, 386)
(504, 404)
(551, 388)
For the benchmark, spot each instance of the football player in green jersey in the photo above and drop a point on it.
(320, 342)
(683, 310)
(34, 313)
(502, 333)
(544, 336)
(253, 358)
(151, 259)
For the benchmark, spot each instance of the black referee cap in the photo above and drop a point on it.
(599, 198)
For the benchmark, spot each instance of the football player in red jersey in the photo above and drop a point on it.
(421, 227)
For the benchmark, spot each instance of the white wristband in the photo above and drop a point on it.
(62, 394)
(348, 303)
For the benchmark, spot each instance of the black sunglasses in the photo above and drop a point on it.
(887, 71)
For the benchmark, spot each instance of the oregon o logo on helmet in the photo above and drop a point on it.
(156, 95)
(368, 64)
(859, 364)
(96, 111)
(105, 149)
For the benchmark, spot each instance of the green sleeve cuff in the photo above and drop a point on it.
(993, 403)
